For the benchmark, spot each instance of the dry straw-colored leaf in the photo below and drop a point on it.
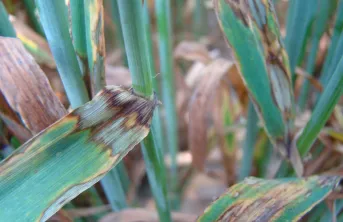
(12, 121)
(200, 107)
(192, 51)
(26, 87)
(37, 45)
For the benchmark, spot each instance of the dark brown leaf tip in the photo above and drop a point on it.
(137, 109)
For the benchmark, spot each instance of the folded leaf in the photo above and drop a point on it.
(71, 155)
(270, 200)
(252, 30)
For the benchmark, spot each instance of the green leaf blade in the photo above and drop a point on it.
(44, 174)
(270, 200)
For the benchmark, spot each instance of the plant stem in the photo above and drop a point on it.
(95, 39)
(6, 28)
(322, 111)
(249, 143)
(168, 90)
(31, 11)
(54, 19)
(78, 32)
(116, 18)
(94, 46)
(131, 16)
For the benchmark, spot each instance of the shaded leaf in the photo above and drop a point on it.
(270, 200)
(199, 107)
(26, 87)
(82, 141)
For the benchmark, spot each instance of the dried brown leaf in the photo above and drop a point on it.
(192, 51)
(12, 121)
(142, 215)
(34, 41)
(199, 109)
(26, 88)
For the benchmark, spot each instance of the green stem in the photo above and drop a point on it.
(333, 49)
(119, 33)
(95, 39)
(323, 14)
(168, 90)
(6, 28)
(54, 19)
(322, 111)
(131, 16)
(249, 143)
(31, 11)
(78, 32)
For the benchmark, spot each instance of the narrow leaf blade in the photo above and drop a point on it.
(270, 200)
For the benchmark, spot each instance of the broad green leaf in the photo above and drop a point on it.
(270, 200)
(252, 31)
(71, 155)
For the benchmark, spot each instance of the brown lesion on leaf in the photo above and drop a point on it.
(135, 107)
(266, 207)
(239, 8)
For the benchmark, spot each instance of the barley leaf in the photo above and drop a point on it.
(270, 200)
(252, 31)
(72, 154)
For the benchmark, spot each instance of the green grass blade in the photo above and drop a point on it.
(335, 50)
(113, 189)
(119, 33)
(164, 27)
(252, 31)
(54, 19)
(44, 173)
(32, 13)
(327, 215)
(95, 38)
(6, 28)
(320, 25)
(299, 20)
(151, 67)
(131, 16)
(322, 111)
(78, 32)
(250, 199)
(249, 143)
